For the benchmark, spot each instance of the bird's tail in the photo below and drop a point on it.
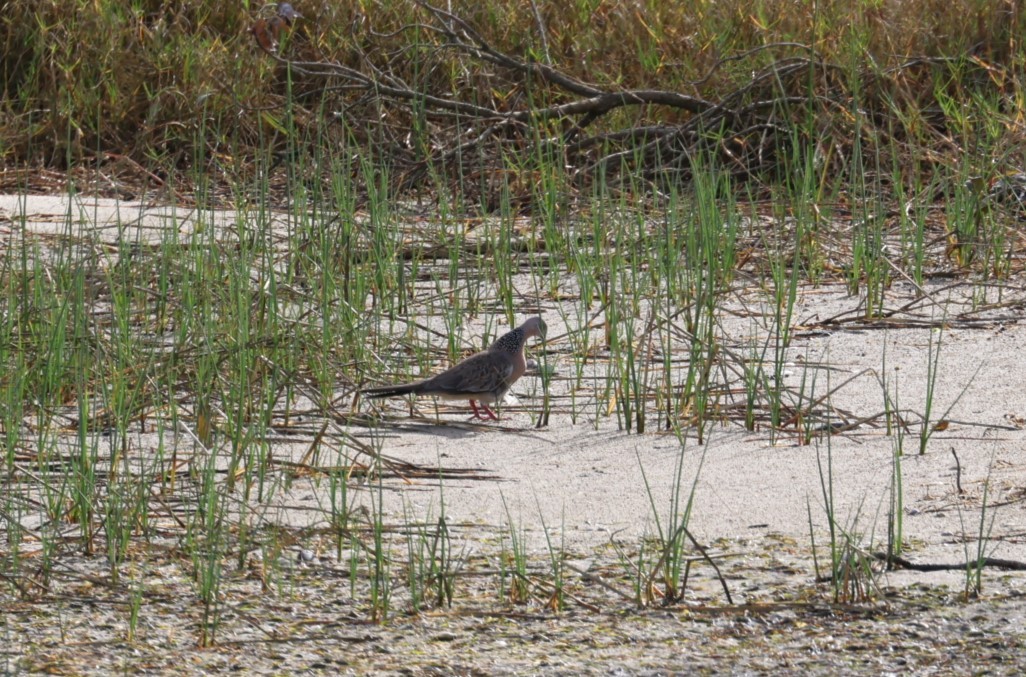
(392, 391)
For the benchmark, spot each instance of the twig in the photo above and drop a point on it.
(992, 562)
(958, 472)
(542, 33)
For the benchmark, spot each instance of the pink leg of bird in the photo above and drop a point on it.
(477, 412)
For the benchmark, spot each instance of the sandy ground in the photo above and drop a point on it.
(586, 473)
(585, 478)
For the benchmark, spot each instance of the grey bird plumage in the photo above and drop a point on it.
(484, 377)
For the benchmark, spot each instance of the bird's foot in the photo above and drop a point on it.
(477, 412)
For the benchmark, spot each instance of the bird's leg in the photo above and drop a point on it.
(477, 412)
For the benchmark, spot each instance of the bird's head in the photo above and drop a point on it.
(535, 327)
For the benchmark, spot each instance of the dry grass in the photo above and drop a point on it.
(143, 80)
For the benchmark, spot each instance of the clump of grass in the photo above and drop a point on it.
(514, 584)
(932, 372)
(975, 561)
(851, 575)
(557, 564)
(432, 566)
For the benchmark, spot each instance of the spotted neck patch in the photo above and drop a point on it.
(511, 342)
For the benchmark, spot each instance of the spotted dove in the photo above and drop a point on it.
(484, 377)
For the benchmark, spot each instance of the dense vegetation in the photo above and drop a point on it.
(168, 84)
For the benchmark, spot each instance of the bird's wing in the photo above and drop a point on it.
(486, 372)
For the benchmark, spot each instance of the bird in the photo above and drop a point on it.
(484, 377)
(1010, 192)
(288, 13)
(268, 32)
